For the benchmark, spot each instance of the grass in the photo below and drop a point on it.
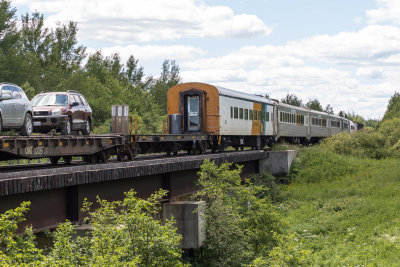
(345, 209)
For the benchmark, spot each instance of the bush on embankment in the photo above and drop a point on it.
(368, 143)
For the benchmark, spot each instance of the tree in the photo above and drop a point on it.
(133, 72)
(124, 233)
(8, 26)
(292, 99)
(238, 217)
(17, 250)
(393, 107)
(314, 105)
(329, 109)
(168, 78)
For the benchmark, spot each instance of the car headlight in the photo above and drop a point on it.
(56, 112)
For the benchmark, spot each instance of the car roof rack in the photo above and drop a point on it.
(72, 91)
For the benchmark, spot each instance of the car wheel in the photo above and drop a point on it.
(86, 131)
(27, 127)
(67, 127)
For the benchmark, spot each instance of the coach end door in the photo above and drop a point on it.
(192, 110)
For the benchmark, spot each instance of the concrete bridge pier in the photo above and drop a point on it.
(277, 162)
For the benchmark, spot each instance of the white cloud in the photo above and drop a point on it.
(122, 22)
(352, 71)
(388, 10)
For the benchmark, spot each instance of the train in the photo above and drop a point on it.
(238, 119)
(201, 117)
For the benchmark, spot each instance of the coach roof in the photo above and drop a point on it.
(236, 94)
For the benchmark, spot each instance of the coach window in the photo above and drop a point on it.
(251, 114)
(235, 112)
(323, 122)
(262, 116)
(246, 114)
(241, 113)
(255, 115)
(267, 116)
(259, 115)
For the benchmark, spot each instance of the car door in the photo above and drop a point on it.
(8, 108)
(77, 112)
(20, 105)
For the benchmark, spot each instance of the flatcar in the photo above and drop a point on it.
(240, 120)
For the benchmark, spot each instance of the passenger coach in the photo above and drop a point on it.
(238, 119)
(233, 118)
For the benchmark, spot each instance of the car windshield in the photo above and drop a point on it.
(50, 100)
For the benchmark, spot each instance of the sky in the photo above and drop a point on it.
(345, 53)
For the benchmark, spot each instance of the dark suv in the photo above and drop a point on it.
(61, 111)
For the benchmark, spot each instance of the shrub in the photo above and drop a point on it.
(317, 164)
(366, 143)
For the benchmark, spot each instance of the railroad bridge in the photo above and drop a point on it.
(57, 193)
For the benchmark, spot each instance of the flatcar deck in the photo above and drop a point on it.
(96, 147)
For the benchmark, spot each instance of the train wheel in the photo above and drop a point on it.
(67, 159)
(54, 160)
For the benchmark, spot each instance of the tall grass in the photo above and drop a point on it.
(344, 208)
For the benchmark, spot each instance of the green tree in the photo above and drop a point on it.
(329, 109)
(17, 250)
(314, 105)
(125, 233)
(238, 217)
(292, 99)
(393, 108)
(168, 78)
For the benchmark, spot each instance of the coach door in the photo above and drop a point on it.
(193, 112)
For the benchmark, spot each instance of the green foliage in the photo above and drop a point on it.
(314, 105)
(393, 108)
(17, 250)
(351, 220)
(267, 181)
(238, 217)
(368, 142)
(125, 233)
(169, 77)
(317, 164)
(286, 253)
(292, 99)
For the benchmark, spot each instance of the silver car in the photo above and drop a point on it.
(15, 109)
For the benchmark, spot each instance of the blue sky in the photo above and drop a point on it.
(345, 53)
